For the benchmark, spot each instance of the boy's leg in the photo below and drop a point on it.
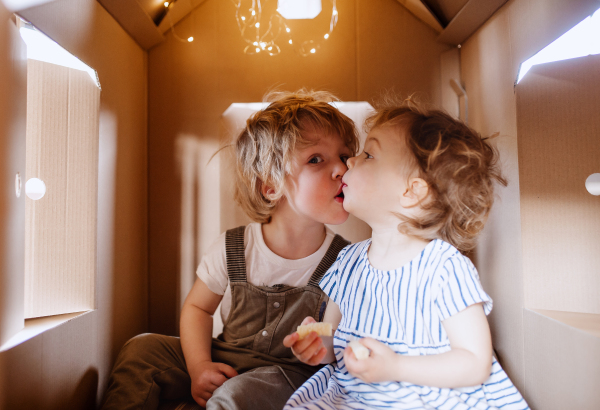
(149, 367)
(265, 388)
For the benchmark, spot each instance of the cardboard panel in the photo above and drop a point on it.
(13, 89)
(62, 150)
(562, 365)
(558, 128)
(470, 17)
(490, 60)
(135, 20)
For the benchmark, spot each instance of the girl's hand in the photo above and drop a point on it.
(309, 350)
(378, 367)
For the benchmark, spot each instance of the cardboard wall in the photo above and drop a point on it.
(489, 64)
(13, 66)
(67, 367)
(60, 228)
(377, 45)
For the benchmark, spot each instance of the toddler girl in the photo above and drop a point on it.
(425, 185)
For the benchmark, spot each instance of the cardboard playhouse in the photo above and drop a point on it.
(131, 200)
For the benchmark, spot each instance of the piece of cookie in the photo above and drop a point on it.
(360, 351)
(322, 329)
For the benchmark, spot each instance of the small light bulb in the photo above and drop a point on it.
(287, 29)
(270, 48)
(335, 12)
(326, 36)
(312, 50)
(255, 43)
(190, 39)
(257, 50)
(166, 3)
(253, 13)
(262, 44)
(290, 41)
(257, 25)
(243, 18)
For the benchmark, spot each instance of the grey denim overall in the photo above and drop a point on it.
(150, 371)
(261, 316)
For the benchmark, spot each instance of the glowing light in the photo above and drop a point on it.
(255, 43)
(257, 50)
(290, 41)
(287, 29)
(166, 3)
(270, 48)
(312, 50)
(257, 25)
(243, 18)
(299, 9)
(582, 40)
(190, 39)
(335, 12)
(253, 13)
(263, 44)
(326, 36)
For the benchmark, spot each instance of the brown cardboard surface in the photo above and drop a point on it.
(490, 59)
(450, 63)
(558, 128)
(561, 363)
(62, 150)
(377, 45)
(13, 66)
(89, 344)
(420, 11)
(587, 322)
(135, 20)
(473, 14)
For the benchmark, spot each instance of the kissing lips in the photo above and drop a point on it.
(340, 195)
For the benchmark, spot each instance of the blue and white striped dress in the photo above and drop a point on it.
(404, 309)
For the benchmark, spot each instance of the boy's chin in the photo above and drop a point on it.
(338, 219)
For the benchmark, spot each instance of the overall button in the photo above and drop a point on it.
(276, 304)
(265, 333)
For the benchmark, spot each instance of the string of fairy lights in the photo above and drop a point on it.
(263, 38)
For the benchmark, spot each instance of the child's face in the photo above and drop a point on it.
(313, 189)
(377, 178)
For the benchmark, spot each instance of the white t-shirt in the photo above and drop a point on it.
(263, 267)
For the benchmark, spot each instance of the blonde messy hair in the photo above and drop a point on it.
(264, 149)
(459, 166)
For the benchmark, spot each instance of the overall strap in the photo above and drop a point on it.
(336, 246)
(234, 250)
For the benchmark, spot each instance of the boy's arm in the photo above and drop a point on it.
(468, 362)
(313, 349)
(196, 325)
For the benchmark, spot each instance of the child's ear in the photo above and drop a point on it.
(416, 191)
(267, 191)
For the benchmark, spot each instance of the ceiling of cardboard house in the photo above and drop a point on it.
(147, 21)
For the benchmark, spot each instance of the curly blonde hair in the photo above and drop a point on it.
(264, 149)
(459, 166)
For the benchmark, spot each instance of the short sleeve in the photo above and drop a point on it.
(330, 281)
(213, 267)
(461, 288)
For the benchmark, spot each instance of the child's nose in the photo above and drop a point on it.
(350, 162)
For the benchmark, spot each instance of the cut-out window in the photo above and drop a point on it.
(582, 40)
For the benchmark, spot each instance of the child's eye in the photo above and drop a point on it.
(369, 156)
(315, 160)
(344, 158)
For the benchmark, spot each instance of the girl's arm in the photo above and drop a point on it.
(467, 364)
(314, 349)
(196, 325)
